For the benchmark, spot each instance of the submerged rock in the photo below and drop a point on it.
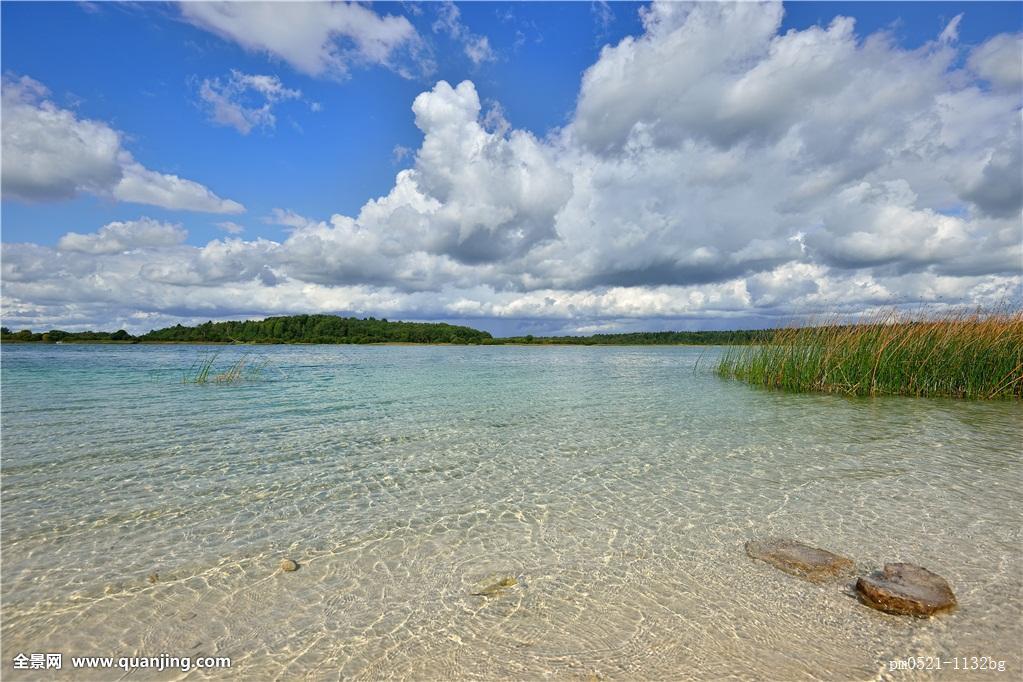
(906, 590)
(800, 560)
(494, 586)
(153, 577)
(289, 565)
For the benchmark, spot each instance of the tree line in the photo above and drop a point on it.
(55, 335)
(319, 329)
(705, 338)
(285, 329)
(336, 329)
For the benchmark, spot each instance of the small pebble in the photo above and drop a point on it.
(288, 565)
(153, 577)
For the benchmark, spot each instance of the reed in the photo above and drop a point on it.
(244, 368)
(199, 372)
(960, 355)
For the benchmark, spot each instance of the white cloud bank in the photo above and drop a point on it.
(50, 153)
(713, 169)
(118, 237)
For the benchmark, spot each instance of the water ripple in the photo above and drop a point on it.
(616, 486)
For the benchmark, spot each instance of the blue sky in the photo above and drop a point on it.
(315, 163)
(332, 137)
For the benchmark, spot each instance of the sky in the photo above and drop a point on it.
(544, 168)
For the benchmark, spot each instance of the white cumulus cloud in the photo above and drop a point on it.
(999, 60)
(122, 236)
(49, 153)
(316, 38)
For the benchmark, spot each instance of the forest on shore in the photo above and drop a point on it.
(342, 330)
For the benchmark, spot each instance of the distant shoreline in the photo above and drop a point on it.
(496, 342)
(337, 330)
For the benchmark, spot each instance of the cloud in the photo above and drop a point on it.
(715, 171)
(139, 289)
(476, 47)
(226, 101)
(51, 154)
(230, 227)
(143, 186)
(999, 60)
(400, 153)
(48, 152)
(123, 236)
(603, 15)
(287, 218)
(951, 32)
(315, 38)
(478, 50)
(998, 189)
(759, 136)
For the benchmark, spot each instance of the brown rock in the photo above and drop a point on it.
(907, 590)
(153, 577)
(288, 565)
(800, 560)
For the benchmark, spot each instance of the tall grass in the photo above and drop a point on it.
(961, 355)
(242, 369)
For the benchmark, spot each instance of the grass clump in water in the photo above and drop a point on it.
(243, 369)
(963, 355)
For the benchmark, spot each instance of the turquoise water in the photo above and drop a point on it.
(616, 485)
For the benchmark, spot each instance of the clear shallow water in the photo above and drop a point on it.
(617, 484)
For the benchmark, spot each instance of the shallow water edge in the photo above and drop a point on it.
(617, 485)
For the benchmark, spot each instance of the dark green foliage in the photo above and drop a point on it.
(55, 335)
(649, 339)
(334, 329)
(318, 329)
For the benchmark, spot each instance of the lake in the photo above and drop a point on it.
(615, 486)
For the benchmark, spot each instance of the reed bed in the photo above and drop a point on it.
(962, 355)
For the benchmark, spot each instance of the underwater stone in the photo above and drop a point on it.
(153, 577)
(801, 560)
(494, 586)
(288, 565)
(906, 590)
